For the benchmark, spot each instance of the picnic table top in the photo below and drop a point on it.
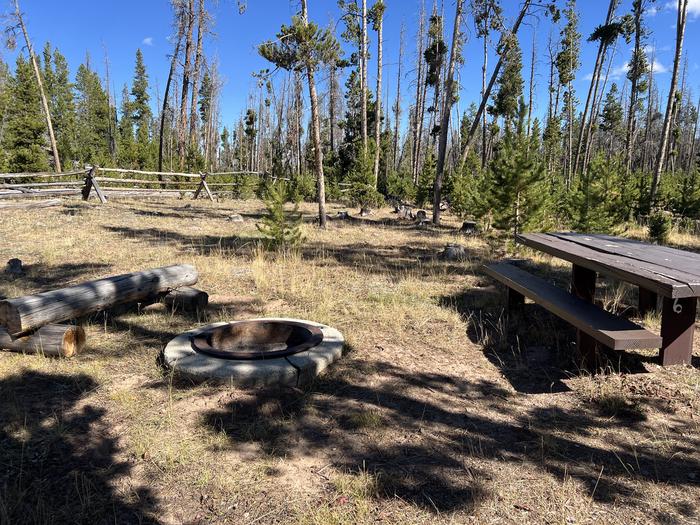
(667, 271)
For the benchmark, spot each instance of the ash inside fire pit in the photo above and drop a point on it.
(258, 339)
(256, 352)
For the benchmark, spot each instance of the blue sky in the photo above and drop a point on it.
(81, 27)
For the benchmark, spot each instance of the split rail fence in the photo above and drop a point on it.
(107, 182)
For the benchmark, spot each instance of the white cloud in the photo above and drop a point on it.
(148, 41)
(693, 7)
(651, 11)
(658, 67)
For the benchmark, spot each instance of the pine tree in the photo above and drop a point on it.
(282, 228)
(568, 62)
(518, 192)
(510, 84)
(5, 80)
(61, 100)
(142, 116)
(126, 150)
(92, 118)
(25, 128)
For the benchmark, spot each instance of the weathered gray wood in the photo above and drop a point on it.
(612, 331)
(31, 204)
(58, 340)
(187, 299)
(26, 313)
(43, 175)
(646, 275)
(680, 264)
(38, 193)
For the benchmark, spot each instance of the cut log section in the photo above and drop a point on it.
(187, 299)
(56, 340)
(23, 314)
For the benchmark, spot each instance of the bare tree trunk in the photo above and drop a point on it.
(585, 130)
(171, 73)
(42, 93)
(196, 72)
(492, 81)
(397, 103)
(297, 120)
(533, 59)
(647, 129)
(445, 116)
(417, 114)
(680, 33)
(631, 111)
(363, 75)
(378, 113)
(484, 69)
(316, 131)
(182, 125)
(331, 103)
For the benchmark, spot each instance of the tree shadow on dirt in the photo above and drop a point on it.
(59, 459)
(43, 277)
(436, 440)
(199, 244)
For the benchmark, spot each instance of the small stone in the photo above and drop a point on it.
(453, 252)
(364, 212)
(14, 267)
(342, 215)
(236, 218)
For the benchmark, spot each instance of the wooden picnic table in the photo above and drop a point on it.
(657, 270)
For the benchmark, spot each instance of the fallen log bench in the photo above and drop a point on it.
(56, 340)
(22, 315)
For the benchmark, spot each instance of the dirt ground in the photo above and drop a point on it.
(440, 411)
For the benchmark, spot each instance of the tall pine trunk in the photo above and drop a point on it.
(485, 97)
(666, 131)
(585, 127)
(445, 116)
(40, 84)
(186, 71)
(378, 112)
(397, 103)
(171, 73)
(196, 72)
(363, 75)
(316, 132)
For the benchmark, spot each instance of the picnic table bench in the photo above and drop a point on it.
(672, 274)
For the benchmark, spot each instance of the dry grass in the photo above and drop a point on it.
(442, 411)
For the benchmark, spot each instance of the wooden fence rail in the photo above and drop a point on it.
(98, 180)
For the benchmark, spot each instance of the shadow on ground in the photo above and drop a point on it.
(437, 440)
(59, 459)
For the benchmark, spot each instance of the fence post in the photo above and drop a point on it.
(203, 185)
(90, 183)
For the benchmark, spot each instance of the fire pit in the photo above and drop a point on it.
(257, 352)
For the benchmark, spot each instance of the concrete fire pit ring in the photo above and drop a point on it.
(188, 355)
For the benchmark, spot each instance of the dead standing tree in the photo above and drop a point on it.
(303, 46)
(19, 24)
(178, 7)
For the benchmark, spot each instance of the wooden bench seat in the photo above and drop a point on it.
(610, 330)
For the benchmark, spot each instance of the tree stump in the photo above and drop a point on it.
(364, 211)
(187, 299)
(468, 228)
(453, 252)
(56, 340)
(236, 218)
(342, 215)
(421, 215)
(14, 267)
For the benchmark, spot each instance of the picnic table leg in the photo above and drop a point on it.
(515, 300)
(647, 301)
(583, 286)
(677, 330)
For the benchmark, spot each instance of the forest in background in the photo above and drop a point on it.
(320, 118)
